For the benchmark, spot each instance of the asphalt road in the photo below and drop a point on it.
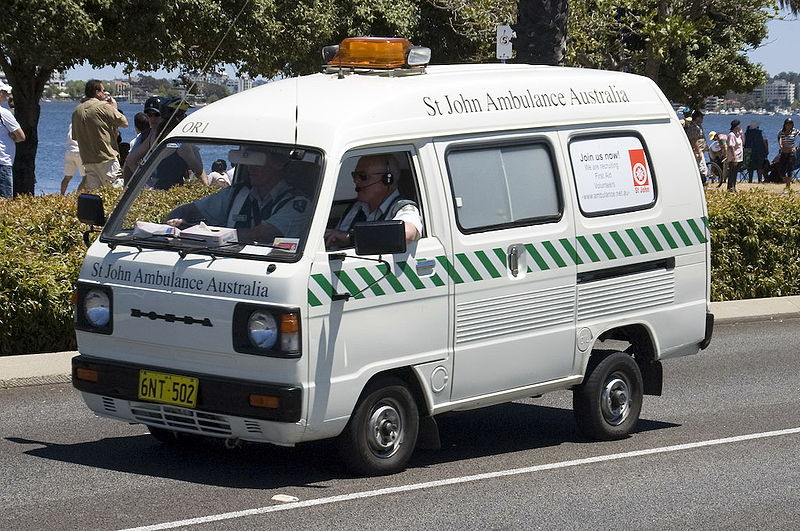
(720, 450)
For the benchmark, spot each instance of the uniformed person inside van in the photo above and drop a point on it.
(261, 206)
(377, 198)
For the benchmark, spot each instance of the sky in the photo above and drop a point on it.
(778, 53)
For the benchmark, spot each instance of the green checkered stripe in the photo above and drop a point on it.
(490, 264)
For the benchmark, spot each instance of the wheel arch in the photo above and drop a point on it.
(641, 345)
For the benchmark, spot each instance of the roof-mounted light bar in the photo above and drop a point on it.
(375, 53)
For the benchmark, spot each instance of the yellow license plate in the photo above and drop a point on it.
(168, 388)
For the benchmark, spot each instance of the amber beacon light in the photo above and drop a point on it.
(376, 53)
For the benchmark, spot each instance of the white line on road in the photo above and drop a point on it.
(463, 479)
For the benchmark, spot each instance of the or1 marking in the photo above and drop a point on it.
(464, 479)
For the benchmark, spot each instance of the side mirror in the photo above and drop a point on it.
(379, 237)
(90, 209)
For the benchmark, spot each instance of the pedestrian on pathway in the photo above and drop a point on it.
(94, 127)
(10, 135)
(72, 163)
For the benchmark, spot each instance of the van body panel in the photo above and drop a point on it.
(487, 306)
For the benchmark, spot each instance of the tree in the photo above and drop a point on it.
(691, 48)
(541, 30)
(268, 38)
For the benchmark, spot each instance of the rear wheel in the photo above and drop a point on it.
(382, 432)
(608, 403)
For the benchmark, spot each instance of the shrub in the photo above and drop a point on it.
(41, 250)
(755, 252)
(755, 244)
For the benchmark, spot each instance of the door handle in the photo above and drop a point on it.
(513, 260)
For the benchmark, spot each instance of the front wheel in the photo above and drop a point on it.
(608, 403)
(382, 432)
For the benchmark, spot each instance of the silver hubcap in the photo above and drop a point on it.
(385, 429)
(616, 400)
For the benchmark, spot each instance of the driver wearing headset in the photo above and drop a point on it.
(377, 198)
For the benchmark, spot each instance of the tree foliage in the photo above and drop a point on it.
(264, 37)
(691, 48)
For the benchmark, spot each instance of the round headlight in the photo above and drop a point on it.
(97, 308)
(262, 329)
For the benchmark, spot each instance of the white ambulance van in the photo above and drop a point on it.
(551, 234)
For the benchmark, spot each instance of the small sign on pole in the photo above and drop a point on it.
(504, 37)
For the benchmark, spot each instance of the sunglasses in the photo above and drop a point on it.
(363, 176)
(152, 113)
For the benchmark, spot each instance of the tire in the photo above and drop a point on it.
(608, 403)
(382, 432)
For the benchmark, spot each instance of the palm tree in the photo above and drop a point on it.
(791, 5)
(541, 30)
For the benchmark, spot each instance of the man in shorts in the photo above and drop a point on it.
(94, 126)
(72, 163)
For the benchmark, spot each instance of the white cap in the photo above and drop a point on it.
(5, 87)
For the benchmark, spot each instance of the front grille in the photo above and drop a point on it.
(109, 404)
(180, 418)
(252, 427)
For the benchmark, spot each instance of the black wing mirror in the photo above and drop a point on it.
(379, 237)
(91, 212)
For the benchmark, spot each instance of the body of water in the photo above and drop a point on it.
(56, 116)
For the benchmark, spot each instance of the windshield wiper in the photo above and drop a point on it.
(183, 251)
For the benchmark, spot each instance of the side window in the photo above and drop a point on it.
(370, 187)
(612, 175)
(502, 186)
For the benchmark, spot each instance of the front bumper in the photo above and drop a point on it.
(217, 394)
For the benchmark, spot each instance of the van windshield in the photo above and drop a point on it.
(243, 199)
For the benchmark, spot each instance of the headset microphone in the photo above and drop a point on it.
(359, 188)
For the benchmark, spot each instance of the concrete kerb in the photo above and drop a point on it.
(56, 367)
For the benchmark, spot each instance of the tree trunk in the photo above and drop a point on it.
(541, 30)
(28, 83)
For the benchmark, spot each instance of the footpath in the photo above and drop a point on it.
(55, 367)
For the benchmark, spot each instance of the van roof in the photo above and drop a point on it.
(325, 110)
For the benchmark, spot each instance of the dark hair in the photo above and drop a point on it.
(91, 88)
(219, 166)
(141, 123)
(735, 124)
(788, 121)
(697, 114)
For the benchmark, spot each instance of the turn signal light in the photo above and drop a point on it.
(265, 401)
(87, 375)
(372, 52)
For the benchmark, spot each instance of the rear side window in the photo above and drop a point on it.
(612, 175)
(503, 186)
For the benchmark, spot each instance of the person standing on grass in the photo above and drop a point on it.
(735, 153)
(786, 147)
(11, 134)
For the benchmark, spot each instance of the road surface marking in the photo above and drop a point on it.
(463, 479)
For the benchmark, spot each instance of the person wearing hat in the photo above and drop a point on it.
(95, 124)
(261, 206)
(694, 132)
(786, 160)
(735, 153)
(10, 135)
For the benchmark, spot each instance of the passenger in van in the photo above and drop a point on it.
(377, 198)
(261, 206)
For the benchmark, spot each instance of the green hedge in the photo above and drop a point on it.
(755, 253)
(41, 250)
(755, 244)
